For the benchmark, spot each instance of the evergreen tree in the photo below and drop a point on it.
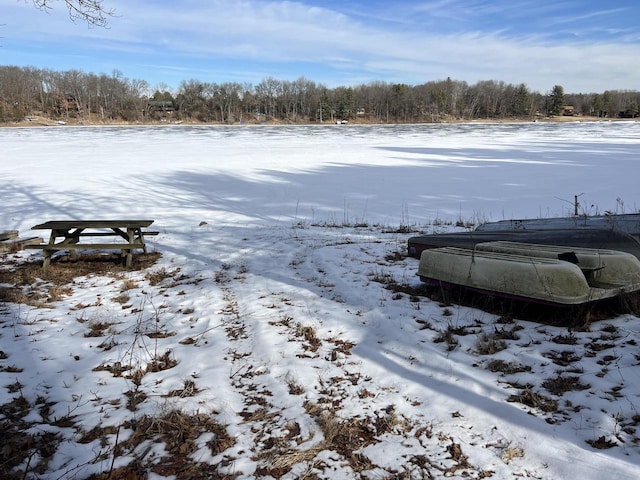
(597, 105)
(521, 101)
(556, 100)
(606, 104)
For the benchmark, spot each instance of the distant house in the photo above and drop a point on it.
(66, 104)
(568, 111)
(629, 113)
(161, 106)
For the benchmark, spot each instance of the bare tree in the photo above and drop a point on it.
(27, 91)
(93, 12)
(268, 91)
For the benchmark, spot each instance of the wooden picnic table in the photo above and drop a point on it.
(66, 236)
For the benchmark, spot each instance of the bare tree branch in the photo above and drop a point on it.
(90, 11)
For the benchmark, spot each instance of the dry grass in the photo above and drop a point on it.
(179, 432)
(344, 436)
(511, 453)
(129, 284)
(97, 329)
(508, 368)
(122, 299)
(189, 389)
(347, 436)
(30, 284)
(602, 443)
(309, 334)
(564, 358)
(447, 336)
(158, 276)
(163, 362)
(20, 443)
(569, 339)
(560, 384)
(489, 344)
(534, 400)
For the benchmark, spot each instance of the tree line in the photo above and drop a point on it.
(28, 92)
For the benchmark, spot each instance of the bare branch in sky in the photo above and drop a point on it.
(93, 12)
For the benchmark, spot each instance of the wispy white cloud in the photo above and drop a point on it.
(578, 16)
(530, 42)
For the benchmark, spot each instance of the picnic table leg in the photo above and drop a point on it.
(128, 255)
(73, 237)
(132, 237)
(47, 258)
(141, 238)
(47, 253)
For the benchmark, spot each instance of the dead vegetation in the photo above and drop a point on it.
(30, 284)
(178, 432)
(279, 446)
(20, 443)
(534, 400)
(561, 384)
(508, 368)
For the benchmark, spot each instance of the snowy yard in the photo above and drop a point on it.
(280, 331)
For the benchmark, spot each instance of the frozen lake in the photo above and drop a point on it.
(386, 175)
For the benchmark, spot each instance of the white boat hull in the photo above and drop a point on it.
(534, 274)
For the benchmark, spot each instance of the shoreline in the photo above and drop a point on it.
(43, 122)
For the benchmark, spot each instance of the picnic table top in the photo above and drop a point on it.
(68, 224)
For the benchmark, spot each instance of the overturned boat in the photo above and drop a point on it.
(600, 267)
(595, 238)
(627, 223)
(546, 274)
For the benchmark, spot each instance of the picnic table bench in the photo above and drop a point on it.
(66, 235)
(10, 241)
(8, 235)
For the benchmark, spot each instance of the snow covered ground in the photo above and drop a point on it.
(283, 332)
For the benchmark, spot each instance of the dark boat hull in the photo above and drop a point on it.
(570, 237)
(627, 223)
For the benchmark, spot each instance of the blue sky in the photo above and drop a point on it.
(583, 45)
